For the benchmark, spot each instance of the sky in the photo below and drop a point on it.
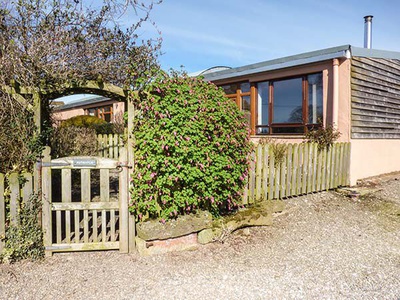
(199, 34)
(206, 33)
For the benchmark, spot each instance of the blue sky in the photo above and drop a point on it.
(199, 34)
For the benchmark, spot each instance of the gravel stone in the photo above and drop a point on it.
(322, 246)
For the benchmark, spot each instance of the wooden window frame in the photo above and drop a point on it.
(271, 125)
(100, 113)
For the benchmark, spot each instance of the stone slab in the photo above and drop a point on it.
(183, 243)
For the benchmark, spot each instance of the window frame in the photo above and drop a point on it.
(305, 110)
(100, 112)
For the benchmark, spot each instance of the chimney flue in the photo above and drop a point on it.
(368, 32)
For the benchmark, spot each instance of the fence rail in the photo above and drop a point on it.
(302, 169)
(109, 145)
(17, 189)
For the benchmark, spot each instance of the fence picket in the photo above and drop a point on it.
(265, 171)
(271, 175)
(85, 194)
(259, 163)
(14, 198)
(305, 168)
(289, 170)
(252, 179)
(27, 188)
(294, 169)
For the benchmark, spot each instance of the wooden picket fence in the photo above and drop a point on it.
(18, 192)
(109, 145)
(302, 170)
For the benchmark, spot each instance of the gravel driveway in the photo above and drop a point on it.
(324, 246)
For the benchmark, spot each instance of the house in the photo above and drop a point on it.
(357, 90)
(102, 107)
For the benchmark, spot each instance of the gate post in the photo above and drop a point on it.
(46, 202)
(123, 204)
(131, 160)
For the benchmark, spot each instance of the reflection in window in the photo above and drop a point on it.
(289, 106)
(314, 98)
(288, 101)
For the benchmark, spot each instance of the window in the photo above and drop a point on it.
(240, 93)
(289, 106)
(104, 112)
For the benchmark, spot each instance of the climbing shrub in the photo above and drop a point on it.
(323, 136)
(278, 149)
(25, 239)
(191, 149)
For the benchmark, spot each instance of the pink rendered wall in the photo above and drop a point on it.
(63, 115)
(118, 110)
(373, 157)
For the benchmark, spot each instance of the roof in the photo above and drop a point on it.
(345, 51)
(84, 102)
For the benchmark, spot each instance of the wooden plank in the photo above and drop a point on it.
(277, 180)
(14, 198)
(27, 188)
(252, 178)
(324, 168)
(46, 202)
(123, 205)
(104, 197)
(289, 166)
(265, 173)
(77, 227)
(375, 67)
(2, 213)
(84, 247)
(304, 174)
(310, 168)
(100, 145)
(116, 145)
(328, 168)
(337, 165)
(85, 206)
(271, 187)
(66, 197)
(320, 167)
(245, 199)
(58, 227)
(111, 147)
(332, 168)
(259, 164)
(282, 192)
(113, 220)
(295, 169)
(95, 231)
(85, 198)
(347, 164)
(300, 169)
(341, 164)
(314, 168)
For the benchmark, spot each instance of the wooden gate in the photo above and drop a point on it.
(86, 208)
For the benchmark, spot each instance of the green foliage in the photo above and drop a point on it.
(72, 140)
(92, 122)
(323, 136)
(24, 240)
(278, 149)
(20, 144)
(191, 151)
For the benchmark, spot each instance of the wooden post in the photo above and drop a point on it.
(46, 202)
(131, 160)
(14, 198)
(37, 106)
(123, 205)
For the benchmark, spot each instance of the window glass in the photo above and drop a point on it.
(263, 103)
(245, 87)
(91, 112)
(230, 88)
(288, 130)
(288, 103)
(315, 98)
(246, 107)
